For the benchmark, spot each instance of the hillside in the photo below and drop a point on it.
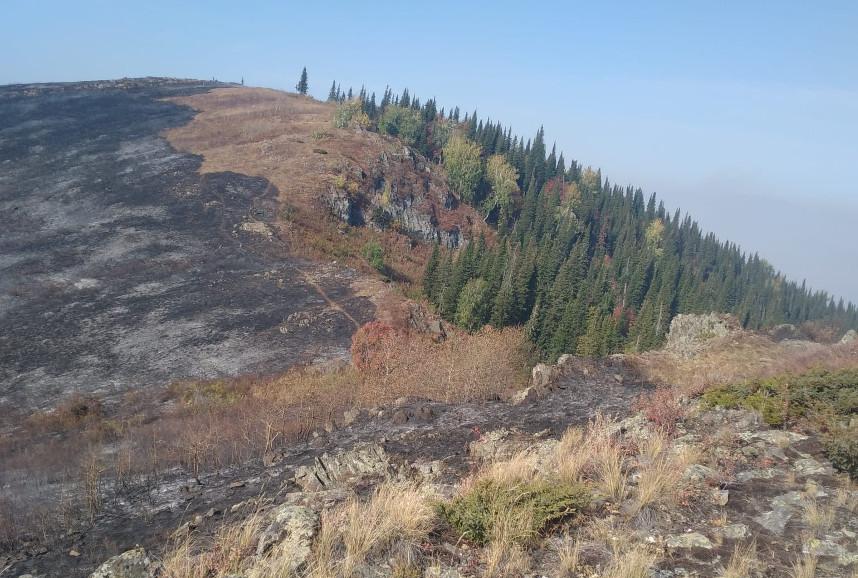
(251, 334)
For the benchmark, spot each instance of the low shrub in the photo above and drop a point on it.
(477, 513)
(842, 450)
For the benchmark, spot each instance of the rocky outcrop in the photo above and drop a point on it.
(849, 337)
(329, 471)
(400, 191)
(292, 529)
(690, 333)
(134, 563)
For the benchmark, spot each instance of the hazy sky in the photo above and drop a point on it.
(743, 113)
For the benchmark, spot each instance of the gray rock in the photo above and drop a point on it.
(134, 563)
(720, 497)
(698, 473)
(291, 528)
(331, 471)
(811, 467)
(688, 540)
(783, 509)
(527, 395)
(849, 337)
(542, 375)
(735, 531)
(689, 333)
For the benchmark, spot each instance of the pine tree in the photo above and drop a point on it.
(332, 95)
(302, 87)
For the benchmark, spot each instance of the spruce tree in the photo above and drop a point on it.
(302, 87)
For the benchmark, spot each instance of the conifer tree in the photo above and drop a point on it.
(302, 87)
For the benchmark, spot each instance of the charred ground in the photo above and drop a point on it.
(123, 266)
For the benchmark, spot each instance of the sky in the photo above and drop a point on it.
(744, 114)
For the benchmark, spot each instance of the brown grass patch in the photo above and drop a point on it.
(278, 136)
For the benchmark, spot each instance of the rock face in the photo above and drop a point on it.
(331, 471)
(689, 333)
(398, 191)
(131, 564)
(850, 336)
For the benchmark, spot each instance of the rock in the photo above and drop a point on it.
(490, 445)
(689, 333)
(350, 416)
(811, 467)
(720, 497)
(74, 553)
(526, 395)
(849, 337)
(292, 528)
(783, 508)
(441, 572)
(779, 438)
(735, 531)
(400, 417)
(689, 540)
(542, 376)
(235, 485)
(698, 473)
(331, 471)
(131, 564)
(830, 548)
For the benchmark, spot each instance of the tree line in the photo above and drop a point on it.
(585, 265)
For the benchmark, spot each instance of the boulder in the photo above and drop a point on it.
(134, 563)
(542, 376)
(849, 337)
(330, 471)
(689, 540)
(690, 333)
(292, 529)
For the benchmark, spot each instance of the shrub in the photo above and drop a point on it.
(478, 513)
(374, 254)
(371, 345)
(663, 408)
(350, 114)
(402, 122)
(842, 450)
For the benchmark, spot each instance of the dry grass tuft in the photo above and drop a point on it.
(568, 558)
(742, 562)
(818, 517)
(394, 515)
(633, 563)
(804, 567)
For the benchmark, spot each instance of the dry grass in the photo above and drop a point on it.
(740, 358)
(278, 136)
(633, 563)
(742, 562)
(394, 516)
(230, 546)
(568, 558)
(818, 517)
(804, 567)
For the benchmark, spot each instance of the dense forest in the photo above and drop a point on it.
(586, 266)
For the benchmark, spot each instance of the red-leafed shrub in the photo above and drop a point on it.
(373, 346)
(662, 407)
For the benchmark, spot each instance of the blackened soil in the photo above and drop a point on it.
(122, 267)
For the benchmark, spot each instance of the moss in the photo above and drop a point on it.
(536, 504)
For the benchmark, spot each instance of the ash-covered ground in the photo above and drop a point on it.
(122, 267)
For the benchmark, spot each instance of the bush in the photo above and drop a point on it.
(374, 254)
(350, 114)
(464, 166)
(842, 450)
(535, 504)
(402, 122)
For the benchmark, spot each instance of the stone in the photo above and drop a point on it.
(698, 473)
(527, 395)
(735, 531)
(811, 467)
(134, 563)
(783, 509)
(400, 417)
(690, 333)
(74, 553)
(542, 375)
(720, 497)
(292, 528)
(688, 540)
(330, 471)
(778, 437)
(437, 571)
(235, 485)
(849, 337)
(350, 416)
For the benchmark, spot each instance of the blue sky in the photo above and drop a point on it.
(743, 113)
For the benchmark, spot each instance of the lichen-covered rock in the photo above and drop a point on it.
(330, 471)
(134, 563)
(849, 337)
(688, 540)
(292, 529)
(542, 375)
(689, 333)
